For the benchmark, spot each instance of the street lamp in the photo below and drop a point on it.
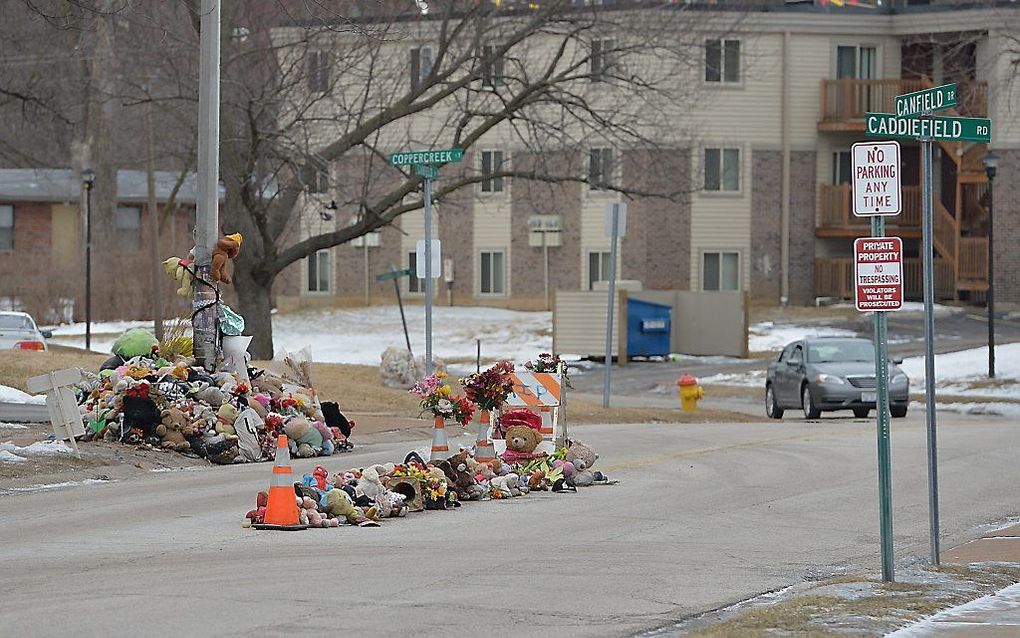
(991, 162)
(88, 178)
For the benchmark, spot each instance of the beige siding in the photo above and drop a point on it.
(580, 320)
(721, 221)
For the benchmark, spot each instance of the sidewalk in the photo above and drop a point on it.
(992, 616)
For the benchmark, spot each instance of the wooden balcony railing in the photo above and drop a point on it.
(836, 209)
(834, 278)
(974, 258)
(849, 99)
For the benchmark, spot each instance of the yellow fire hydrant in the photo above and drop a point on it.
(690, 393)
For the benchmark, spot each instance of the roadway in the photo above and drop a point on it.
(705, 515)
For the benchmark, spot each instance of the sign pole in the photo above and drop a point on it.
(615, 231)
(400, 302)
(428, 275)
(545, 267)
(927, 228)
(882, 408)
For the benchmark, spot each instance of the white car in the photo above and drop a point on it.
(19, 332)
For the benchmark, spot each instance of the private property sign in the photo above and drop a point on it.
(878, 268)
(876, 183)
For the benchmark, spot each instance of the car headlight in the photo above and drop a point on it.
(830, 378)
(899, 378)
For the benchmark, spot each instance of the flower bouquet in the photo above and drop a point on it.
(436, 398)
(549, 363)
(490, 389)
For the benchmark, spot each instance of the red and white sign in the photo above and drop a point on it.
(878, 268)
(876, 183)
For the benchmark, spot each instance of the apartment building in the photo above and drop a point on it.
(764, 150)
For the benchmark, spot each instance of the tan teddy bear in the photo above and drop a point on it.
(175, 423)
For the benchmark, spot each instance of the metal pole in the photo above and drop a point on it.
(882, 408)
(88, 265)
(403, 319)
(207, 214)
(428, 276)
(368, 295)
(545, 267)
(150, 182)
(991, 279)
(478, 356)
(612, 301)
(927, 230)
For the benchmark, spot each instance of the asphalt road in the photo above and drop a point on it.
(705, 515)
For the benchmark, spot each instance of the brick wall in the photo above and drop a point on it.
(766, 226)
(803, 200)
(657, 246)
(1007, 228)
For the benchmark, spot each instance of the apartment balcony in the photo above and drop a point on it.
(845, 101)
(834, 277)
(836, 216)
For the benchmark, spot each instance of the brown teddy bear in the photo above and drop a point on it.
(521, 442)
(175, 422)
(226, 248)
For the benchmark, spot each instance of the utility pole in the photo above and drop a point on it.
(88, 178)
(207, 215)
(150, 169)
(991, 162)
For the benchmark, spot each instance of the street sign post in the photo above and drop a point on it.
(876, 183)
(616, 223)
(937, 98)
(878, 268)
(426, 164)
(947, 129)
(395, 275)
(543, 226)
(436, 267)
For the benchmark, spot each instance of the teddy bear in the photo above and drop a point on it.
(258, 515)
(538, 482)
(174, 423)
(371, 483)
(339, 503)
(327, 438)
(178, 269)
(391, 505)
(305, 440)
(521, 442)
(225, 417)
(226, 249)
(582, 457)
(464, 479)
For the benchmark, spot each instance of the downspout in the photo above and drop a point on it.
(784, 248)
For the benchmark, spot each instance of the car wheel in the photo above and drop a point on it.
(811, 411)
(772, 409)
(861, 413)
(898, 411)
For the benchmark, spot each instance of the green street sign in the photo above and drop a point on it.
(934, 99)
(444, 156)
(948, 129)
(394, 274)
(427, 171)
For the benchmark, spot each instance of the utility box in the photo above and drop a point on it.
(649, 326)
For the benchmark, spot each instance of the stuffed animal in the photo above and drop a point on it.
(521, 441)
(258, 515)
(464, 479)
(175, 423)
(306, 440)
(339, 503)
(582, 457)
(178, 269)
(226, 249)
(327, 438)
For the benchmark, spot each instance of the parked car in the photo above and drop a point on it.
(18, 331)
(831, 373)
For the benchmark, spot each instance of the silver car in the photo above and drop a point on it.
(18, 331)
(831, 373)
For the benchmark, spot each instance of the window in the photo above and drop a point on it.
(492, 162)
(318, 71)
(720, 271)
(856, 62)
(318, 271)
(492, 273)
(722, 61)
(598, 267)
(841, 169)
(601, 58)
(722, 169)
(600, 168)
(129, 227)
(316, 177)
(493, 64)
(797, 355)
(421, 65)
(413, 283)
(6, 228)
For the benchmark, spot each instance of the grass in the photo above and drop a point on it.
(360, 392)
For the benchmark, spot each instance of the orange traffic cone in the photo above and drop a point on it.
(282, 510)
(484, 451)
(440, 444)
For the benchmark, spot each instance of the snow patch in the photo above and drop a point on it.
(54, 486)
(992, 408)
(39, 448)
(12, 426)
(752, 379)
(8, 457)
(14, 395)
(766, 336)
(1002, 600)
(966, 372)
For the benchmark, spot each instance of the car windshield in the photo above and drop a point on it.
(15, 322)
(833, 351)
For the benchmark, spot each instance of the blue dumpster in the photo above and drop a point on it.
(649, 326)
